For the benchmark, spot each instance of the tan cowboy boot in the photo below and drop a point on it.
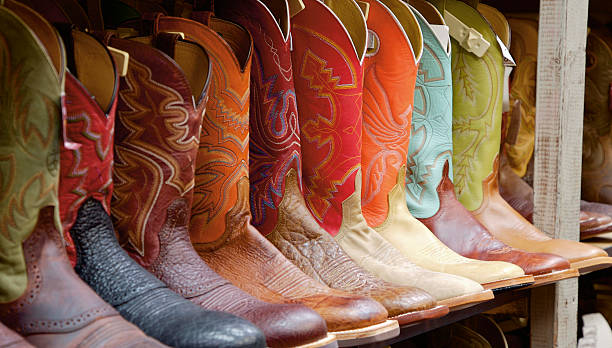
(277, 204)
(329, 44)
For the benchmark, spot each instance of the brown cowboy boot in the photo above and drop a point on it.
(220, 228)
(176, 262)
(278, 207)
(41, 297)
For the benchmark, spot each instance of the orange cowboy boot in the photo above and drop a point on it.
(329, 44)
(390, 76)
(278, 207)
(220, 226)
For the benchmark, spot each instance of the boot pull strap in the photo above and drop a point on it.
(166, 42)
(202, 17)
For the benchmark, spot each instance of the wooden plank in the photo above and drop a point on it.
(558, 151)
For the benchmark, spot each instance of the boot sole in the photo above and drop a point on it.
(510, 283)
(464, 301)
(590, 265)
(548, 278)
(416, 316)
(370, 334)
(327, 342)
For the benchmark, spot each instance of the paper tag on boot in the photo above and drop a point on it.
(469, 38)
(121, 58)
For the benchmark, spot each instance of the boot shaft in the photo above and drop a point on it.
(520, 134)
(390, 71)
(274, 146)
(477, 107)
(327, 61)
(156, 139)
(221, 173)
(431, 141)
(86, 169)
(31, 83)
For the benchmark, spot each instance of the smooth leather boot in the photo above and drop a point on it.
(9, 339)
(477, 90)
(597, 144)
(389, 81)
(41, 297)
(430, 194)
(277, 205)
(170, 256)
(329, 44)
(219, 228)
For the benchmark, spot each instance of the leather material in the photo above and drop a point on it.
(597, 145)
(29, 130)
(47, 313)
(519, 196)
(85, 171)
(314, 45)
(519, 143)
(261, 270)
(275, 164)
(61, 11)
(430, 191)
(155, 95)
(9, 339)
(386, 143)
(143, 299)
(476, 148)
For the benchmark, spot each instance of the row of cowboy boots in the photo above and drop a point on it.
(193, 93)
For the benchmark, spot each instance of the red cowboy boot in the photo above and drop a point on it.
(278, 207)
(220, 228)
(41, 297)
(328, 47)
(176, 262)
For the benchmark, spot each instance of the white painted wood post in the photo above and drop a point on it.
(558, 158)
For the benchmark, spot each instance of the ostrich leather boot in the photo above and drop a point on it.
(430, 194)
(277, 205)
(390, 71)
(9, 339)
(477, 90)
(519, 132)
(329, 44)
(597, 145)
(220, 226)
(41, 297)
(176, 263)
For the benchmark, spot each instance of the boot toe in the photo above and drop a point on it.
(542, 263)
(402, 300)
(347, 313)
(288, 325)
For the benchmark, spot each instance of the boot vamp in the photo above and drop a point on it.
(257, 267)
(511, 228)
(9, 339)
(420, 245)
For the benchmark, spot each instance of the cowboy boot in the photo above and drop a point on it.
(476, 143)
(519, 129)
(61, 11)
(430, 193)
(277, 205)
(86, 184)
(327, 61)
(9, 339)
(597, 145)
(219, 227)
(386, 134)
(177, 264)
(41, 297)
